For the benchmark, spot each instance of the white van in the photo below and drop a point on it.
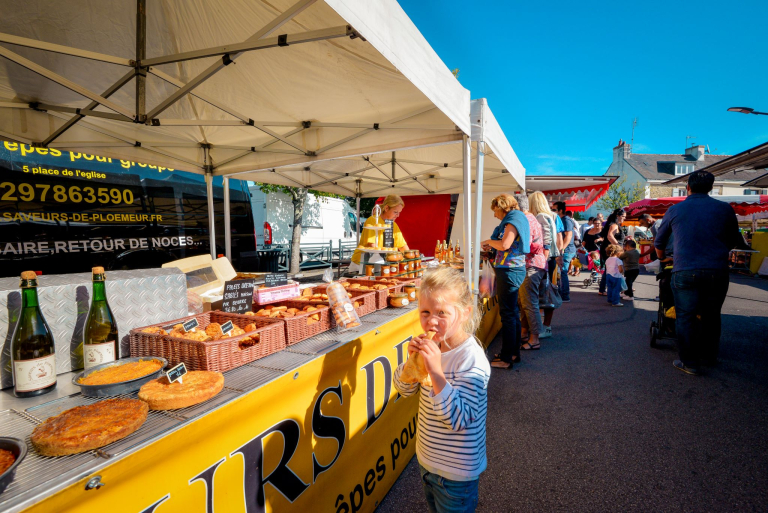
(324, 218)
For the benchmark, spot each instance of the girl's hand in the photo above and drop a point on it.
(415, 344)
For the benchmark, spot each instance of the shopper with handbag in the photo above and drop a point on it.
(512, 243)
(552, 241)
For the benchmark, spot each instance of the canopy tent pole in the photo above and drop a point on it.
(209, 194)
(467, 207)
(478, 215)
(141, 54)
(227, 222)
(357, 212)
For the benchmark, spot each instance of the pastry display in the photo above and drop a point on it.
(342, 308)
(121, 372)
(154, 330)
(89, 427)
(6, 460)
(198, 335)
(414, 370)
(197, 387)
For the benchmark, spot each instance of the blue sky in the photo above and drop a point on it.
(566, 79)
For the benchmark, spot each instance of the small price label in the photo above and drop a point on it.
(176, 373)
(276, 279)
(190, 325)
(227, 327)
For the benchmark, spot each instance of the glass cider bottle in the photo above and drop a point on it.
(100, 340)
(33, 351)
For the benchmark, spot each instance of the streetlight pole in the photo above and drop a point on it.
(746, 110)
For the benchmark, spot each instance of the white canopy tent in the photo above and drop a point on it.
(289, 92)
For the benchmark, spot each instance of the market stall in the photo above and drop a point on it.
(742, 205)
(305, 426)
(578, 192)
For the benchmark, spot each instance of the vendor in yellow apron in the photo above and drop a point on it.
(391, 208)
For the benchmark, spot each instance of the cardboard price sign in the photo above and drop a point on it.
(238, 296)
(276, 279)
(389, 236)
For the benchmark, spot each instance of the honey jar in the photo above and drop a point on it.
(398, 300)
(410, 289)
(369, 269)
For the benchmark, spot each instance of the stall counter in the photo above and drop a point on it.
(316, 427)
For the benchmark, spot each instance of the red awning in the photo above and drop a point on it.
(742, 205)
(578, 192)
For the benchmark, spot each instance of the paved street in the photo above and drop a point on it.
(599, 421)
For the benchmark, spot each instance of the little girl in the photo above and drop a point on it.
(614, 270)
(450, 445)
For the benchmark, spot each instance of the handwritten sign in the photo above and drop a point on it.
(190, 325)
(238, 296)
(389, 236)
(276, 279)
(176, 373)
(227, 327)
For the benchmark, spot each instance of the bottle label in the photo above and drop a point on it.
(96, 354)
(31, 375)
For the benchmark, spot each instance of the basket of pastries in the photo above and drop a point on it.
(300, 319)
(382, 286)
(207, 347)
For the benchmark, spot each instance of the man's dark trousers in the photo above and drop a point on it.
(699, 293)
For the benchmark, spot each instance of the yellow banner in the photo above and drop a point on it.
(333, 435)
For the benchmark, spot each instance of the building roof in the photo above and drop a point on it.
(662, 167)
(752, 159)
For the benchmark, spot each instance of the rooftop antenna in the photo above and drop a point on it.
(634, 124)
(689, 137)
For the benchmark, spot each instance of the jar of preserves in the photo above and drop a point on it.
(369, 269)
(410, 290)
(398, 300)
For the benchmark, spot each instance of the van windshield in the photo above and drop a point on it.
(64, 212)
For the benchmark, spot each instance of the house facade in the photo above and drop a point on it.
(650, 171)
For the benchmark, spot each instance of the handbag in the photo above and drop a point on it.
(552, 297)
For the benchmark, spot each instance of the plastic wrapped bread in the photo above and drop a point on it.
(415, 370)
(342, 309)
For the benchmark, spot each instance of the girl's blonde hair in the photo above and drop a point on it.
(613, 249)
(537, 203)
(449, 286)
(505, 202)
(391, 201)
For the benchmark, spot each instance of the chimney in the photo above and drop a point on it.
(622, 150)
(696, 152)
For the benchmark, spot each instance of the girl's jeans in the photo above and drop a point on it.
(446, 496)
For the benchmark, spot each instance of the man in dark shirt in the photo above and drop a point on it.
(569, 251)
(704, 230)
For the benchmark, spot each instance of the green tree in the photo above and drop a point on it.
(366, 205)
(620, 194)
(298, 197)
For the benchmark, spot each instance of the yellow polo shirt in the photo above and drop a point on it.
(370, 236)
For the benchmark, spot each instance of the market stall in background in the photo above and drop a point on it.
(226, 388)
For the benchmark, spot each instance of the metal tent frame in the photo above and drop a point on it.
(417, 104)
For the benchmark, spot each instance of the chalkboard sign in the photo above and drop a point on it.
(238, 296)
(190, 325)
(276, 279)
(389, 236)
(176, 373)
(227, 327)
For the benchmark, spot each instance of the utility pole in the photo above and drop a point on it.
(634, 124)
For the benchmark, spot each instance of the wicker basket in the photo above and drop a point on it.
(298, 328)
(381, 294)
(220, 355)
(367, 300)
(404, 280)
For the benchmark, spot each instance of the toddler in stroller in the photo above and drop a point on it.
(594, 267)
(664, 325)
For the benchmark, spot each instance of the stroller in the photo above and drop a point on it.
(595, 272)
(664, 325)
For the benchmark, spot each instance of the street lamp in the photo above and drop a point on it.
(746, 110)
